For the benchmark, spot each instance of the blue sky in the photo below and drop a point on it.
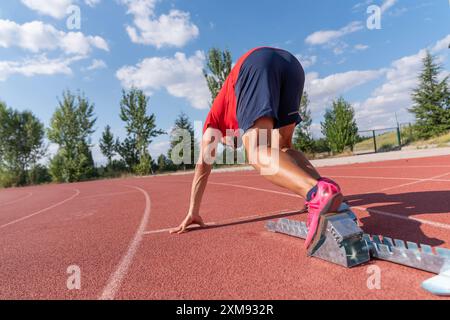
(160, 46)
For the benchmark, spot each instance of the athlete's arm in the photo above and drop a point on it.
(201, 175)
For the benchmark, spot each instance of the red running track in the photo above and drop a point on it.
(116, 232)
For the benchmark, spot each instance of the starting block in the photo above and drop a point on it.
(344, 243)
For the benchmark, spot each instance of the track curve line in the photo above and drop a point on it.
(29, 194)
(116, 278)
(77, 192)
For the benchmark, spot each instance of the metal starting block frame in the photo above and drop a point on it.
(345, 244)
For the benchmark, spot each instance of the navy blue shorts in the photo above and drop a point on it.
(270, 84)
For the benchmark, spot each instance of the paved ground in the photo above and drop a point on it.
(116, 232)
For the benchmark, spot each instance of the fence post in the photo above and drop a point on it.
(399, 137)
(374, 141)
(410, 133)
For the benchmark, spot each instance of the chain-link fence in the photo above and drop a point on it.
(380, 140)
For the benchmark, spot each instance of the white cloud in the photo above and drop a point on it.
(441, 44)
(159, 148)
(97, 64)
(92, 3)
(326, 36)
(339, 48)
(306, 61)
(322, 91)
(387, 4)
(181, 76)
(54, 8)
(361, 47)
(394, 95)
(37, 36)
(39, 65)
(359, 5)
(172, 29)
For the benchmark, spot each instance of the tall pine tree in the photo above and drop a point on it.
(431, 100)
(108, 145)
(182, 139)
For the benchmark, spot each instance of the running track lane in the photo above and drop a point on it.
(116, 278)
(192, 266)
(92, 233)
(236, 257)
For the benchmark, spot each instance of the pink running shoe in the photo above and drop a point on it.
(327, 200)
(331, 181)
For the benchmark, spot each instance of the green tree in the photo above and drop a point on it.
(141, 129)
(321, 146)
(39, 174)
(162, 163)
(3, 115)
(71, 127)
(302, 137)
(339, 126)
(431, 100)
(165, 164)
(219, 65)
(21, 144)
(182, 138)
(128, 152)
(108, 144)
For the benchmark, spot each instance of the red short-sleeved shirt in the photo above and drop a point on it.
(222, 115)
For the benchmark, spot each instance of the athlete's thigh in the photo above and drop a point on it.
(259, 134)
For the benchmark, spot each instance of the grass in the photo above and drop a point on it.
(441, 141)
(385, 142)
(388, 141)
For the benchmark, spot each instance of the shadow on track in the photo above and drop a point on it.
(249, 220)
(411, 204)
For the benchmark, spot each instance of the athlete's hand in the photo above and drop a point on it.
(188, 221)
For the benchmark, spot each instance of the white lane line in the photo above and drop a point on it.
(101, 195)
(115, 280)
(77, 192)
(366, 177)
(29, 194)
(388, 178)
(414, 182)
(256, 189)
(273, 214)
(393, 215)
(387, 167)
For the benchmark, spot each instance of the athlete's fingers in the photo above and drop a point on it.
(175, 230)
(182, 229)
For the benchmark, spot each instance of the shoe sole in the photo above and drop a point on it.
(329, 210)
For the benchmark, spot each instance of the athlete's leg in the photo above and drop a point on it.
(283, 169)
(285, 144)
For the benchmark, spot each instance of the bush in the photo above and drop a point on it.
(144, 167)
(321, 146)
(39, 174)
(387, 147)
(116, 169)
(7, 179)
